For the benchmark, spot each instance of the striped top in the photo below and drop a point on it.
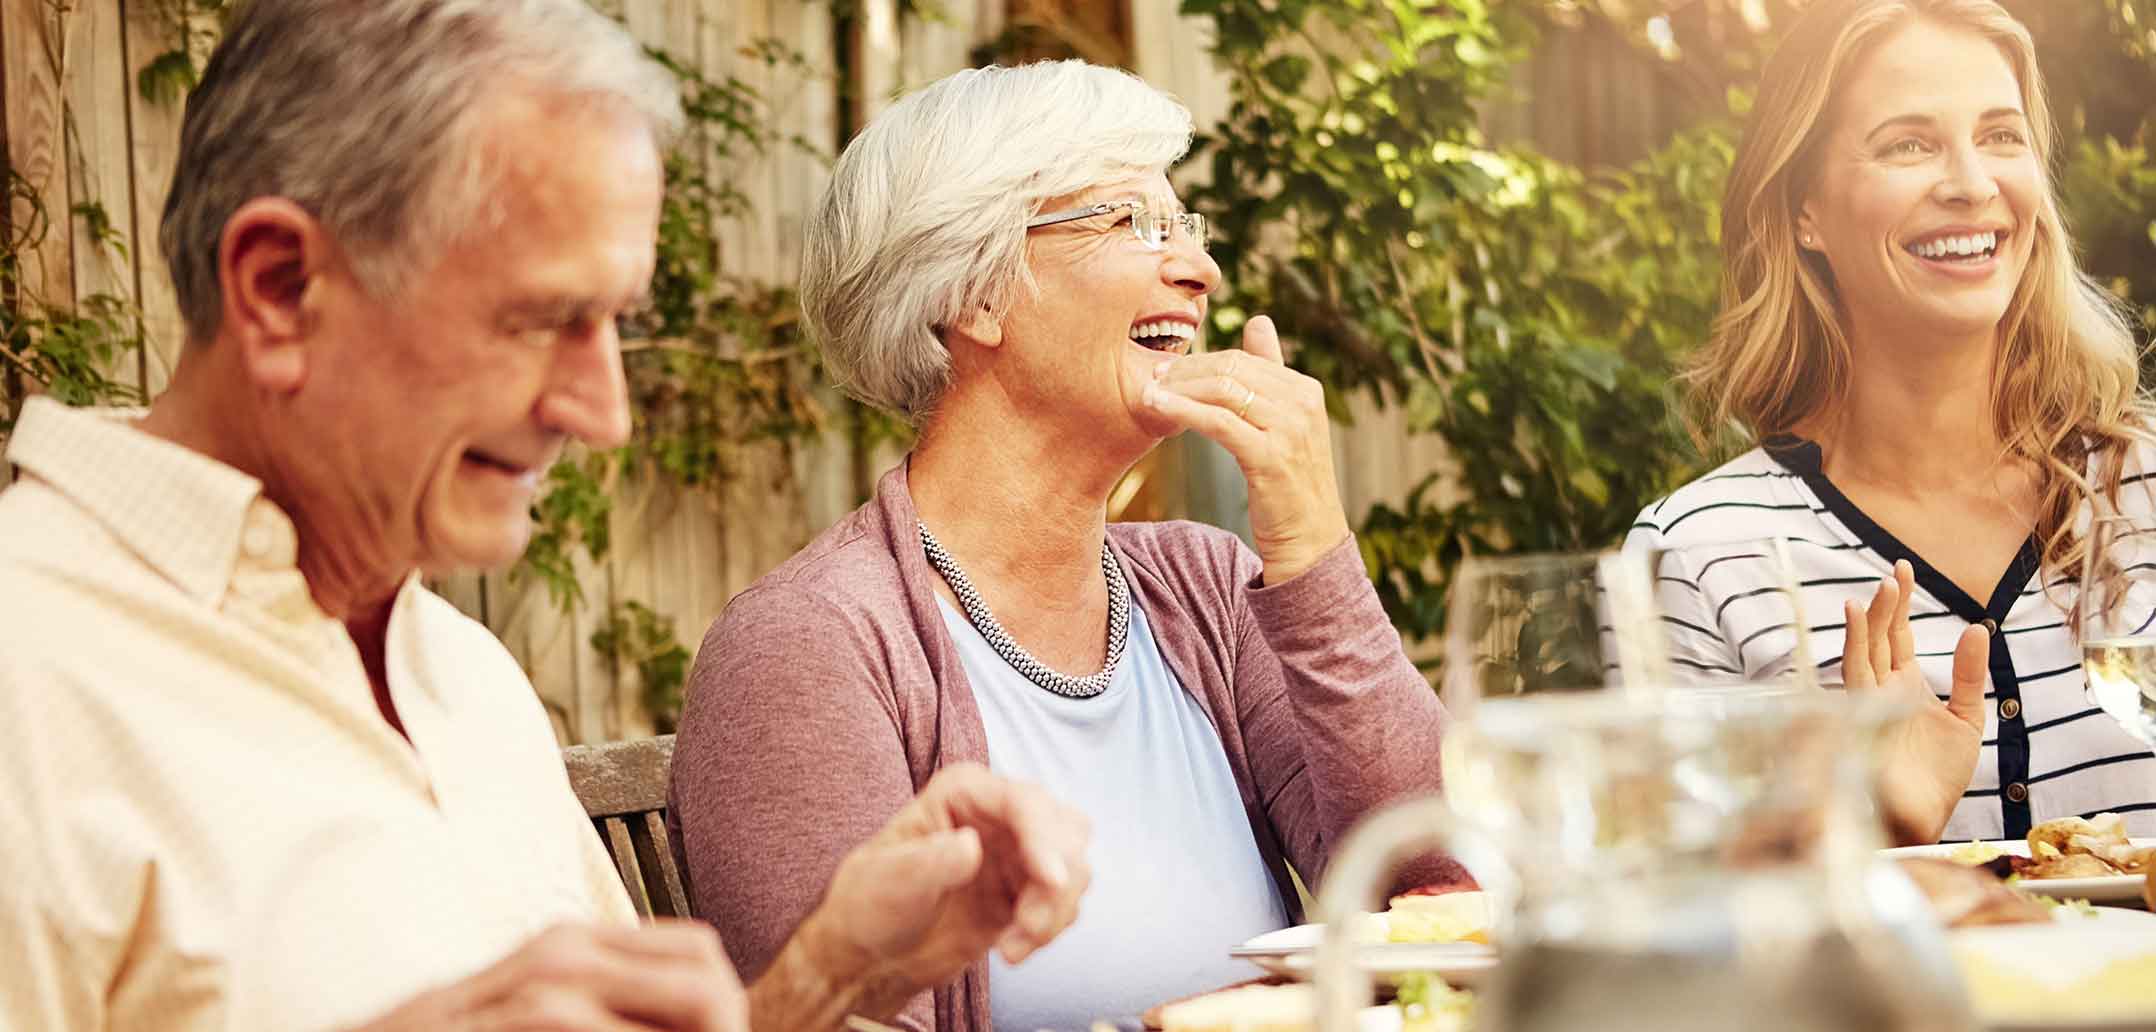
(2048, 751)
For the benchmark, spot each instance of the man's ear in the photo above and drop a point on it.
(980, 327)
(271, 263)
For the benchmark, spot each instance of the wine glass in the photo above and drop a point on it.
(2117, 615)
(1542, 624)
(1727, 614)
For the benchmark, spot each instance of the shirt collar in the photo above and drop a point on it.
(181, 511)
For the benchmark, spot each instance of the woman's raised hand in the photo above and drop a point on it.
(1930, 755)
(1272, 420)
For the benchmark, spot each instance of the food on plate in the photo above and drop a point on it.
(1976, 854)
(1426, 917)
(2073, 847)
(2070, 847)
(1964, 897)
(2000, 993)
(1428, 1004)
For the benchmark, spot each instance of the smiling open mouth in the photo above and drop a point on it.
(1166, 336)
(486, 461)
(1960, 249)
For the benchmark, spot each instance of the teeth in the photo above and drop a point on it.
(1961, 246)
(1180, 331)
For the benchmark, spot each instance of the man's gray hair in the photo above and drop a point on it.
(924, 219)
(362, 112)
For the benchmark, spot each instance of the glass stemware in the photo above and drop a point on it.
(2116, 611)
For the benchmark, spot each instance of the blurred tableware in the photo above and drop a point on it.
(1293, 952)
(1540, 624)
(1700, 860)
(2117, 610)
(1725, 614)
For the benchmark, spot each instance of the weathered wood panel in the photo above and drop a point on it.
(154, 145)
(34, 35)
(99, 172)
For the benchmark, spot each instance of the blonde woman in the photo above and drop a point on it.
(1938, 396)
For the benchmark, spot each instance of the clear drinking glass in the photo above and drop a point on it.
(1727, 613)
(1541, 624)
(2117, 613)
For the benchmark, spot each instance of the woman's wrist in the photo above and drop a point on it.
(1286, 560)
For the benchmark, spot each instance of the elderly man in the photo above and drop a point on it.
(256, 776)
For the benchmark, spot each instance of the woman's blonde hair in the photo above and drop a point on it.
(2066, 383)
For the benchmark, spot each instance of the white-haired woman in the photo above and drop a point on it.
(1939, 397)
(1001, 260)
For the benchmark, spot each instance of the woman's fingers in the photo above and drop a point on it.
(1239, 399)
(1879, 627)
(1216, 421)
(1972, 656)
(1856, 649)
(1262, 340)
(1904, 639)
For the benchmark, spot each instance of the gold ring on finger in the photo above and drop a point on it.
(1243, 411)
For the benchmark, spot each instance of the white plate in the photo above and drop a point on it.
(1293, 952)
(2118, 888)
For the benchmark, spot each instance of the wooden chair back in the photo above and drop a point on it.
(623, 788)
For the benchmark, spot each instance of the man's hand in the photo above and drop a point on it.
(669, 976)
(1930, 755)
(972, 863)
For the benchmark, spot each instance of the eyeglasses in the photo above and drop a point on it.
(1152, 229)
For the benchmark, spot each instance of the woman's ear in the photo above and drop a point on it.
(270, 264)
(980, 327)
(1808, 237)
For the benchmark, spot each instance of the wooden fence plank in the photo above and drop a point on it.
(155, 131)
(36, 150)
(878, 67)
(99, 171)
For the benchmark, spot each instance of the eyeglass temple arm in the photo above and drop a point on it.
(1073, 215)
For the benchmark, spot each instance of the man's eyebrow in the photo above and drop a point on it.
(567, 305)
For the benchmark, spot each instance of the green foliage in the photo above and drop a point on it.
(2109, 189)
(572, 515)
(192, 27)
(636, 636)
(1519, 309)
(67, 348)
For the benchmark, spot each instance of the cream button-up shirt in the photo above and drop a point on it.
(205, 823)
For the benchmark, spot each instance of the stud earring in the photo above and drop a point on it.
(1807, 240)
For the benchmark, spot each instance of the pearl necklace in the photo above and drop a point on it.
(1015, 654)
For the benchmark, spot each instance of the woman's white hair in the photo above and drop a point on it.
(363, 112)
(924, 218)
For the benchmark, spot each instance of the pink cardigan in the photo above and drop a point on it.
(828, 693)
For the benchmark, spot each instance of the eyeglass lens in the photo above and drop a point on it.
(1155, 230)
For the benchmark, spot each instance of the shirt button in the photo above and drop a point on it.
(2009, 709)
(1991, 626)
(2017, 793)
